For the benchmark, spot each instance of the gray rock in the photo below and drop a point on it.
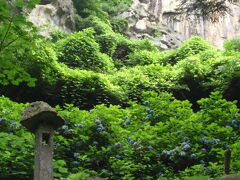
(230, 177)
(95, 178)
(146, 15)
(53, 14)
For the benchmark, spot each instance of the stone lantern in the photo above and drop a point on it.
(42, 120)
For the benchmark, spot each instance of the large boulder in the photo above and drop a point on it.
(53, 14)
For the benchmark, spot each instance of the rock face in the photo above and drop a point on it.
(156, 19)
(145, 22)
(53, 14)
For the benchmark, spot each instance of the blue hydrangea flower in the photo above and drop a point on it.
(95, 143)
(160, 175)
(179, 132)
(118, 156)
(132, 142)
(186, 147)
(117, 145)
(235, 125)
(64, 127)
(99, 130)
(76, 155)
(184, 143)
(235, 122)
(151, 111)
(203, 150)
(172, 151)
(182, 154)
(79, 125)
(156, 116)
(204, 141)
(201, 162)
(148, 110)
(226, 147)
(127, 122)
(193, 156)
(70, 131)
(186, 139)
(147, 117)
(75, 163)
(2, 120)
(100, 126)
(150, 148)
(97, 121)
(215, 140)
(126, 117)
(165, 153)
(146, 102)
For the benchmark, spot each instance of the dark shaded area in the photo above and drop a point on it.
(44, 2)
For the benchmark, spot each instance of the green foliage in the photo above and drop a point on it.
(16, 145)
(132, 81)
(144, 57)
(113, 7)
(125, 47)
(57, 35)
(41, 60)
(86, 8)
(84, 88)
(80, 50)
(59, 169)
(232, 45)
(191, 47)
(197, 178)
(78, 176)
(99, 26)
(119, 25)
(101, 8)
(108, 43)
(13, 74)
(144, 44)
(16, 34)
(159, 138)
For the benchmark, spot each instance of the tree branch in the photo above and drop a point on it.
(5, 36)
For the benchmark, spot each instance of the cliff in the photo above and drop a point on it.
(154, 19)
(147, 17)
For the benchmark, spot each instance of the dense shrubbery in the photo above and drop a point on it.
(80, 50)
(160, 137)
(232, 45)
(140, 67)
